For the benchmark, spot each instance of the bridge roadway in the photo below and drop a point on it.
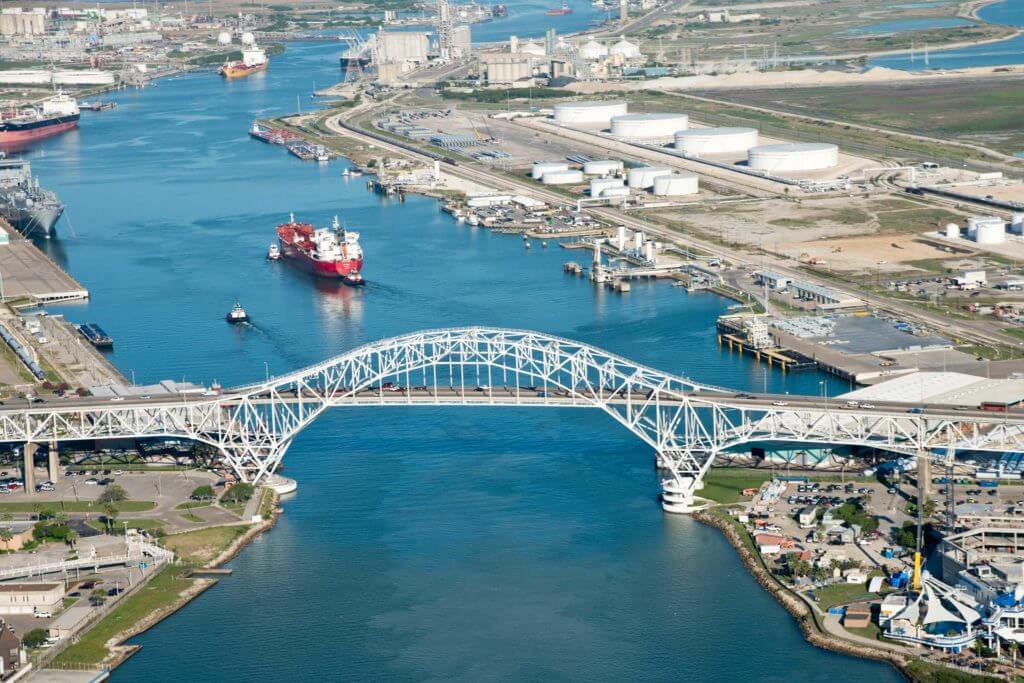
(532, 396)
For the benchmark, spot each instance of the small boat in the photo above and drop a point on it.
(323, 156)
(353, 279)
(354, 173)
(527, 245)
(525, 237)
(544, 245)
(237, 315)
(274, 252)
(563, 10)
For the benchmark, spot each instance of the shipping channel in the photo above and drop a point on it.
(423, 543)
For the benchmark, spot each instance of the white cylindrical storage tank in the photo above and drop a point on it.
(615, 192)
(562, 177)
(542, 167)
(602, 167)
(990, 232)
(675, 185)
(599, 184)
(648, 126)
(794, 156)
(699, 141)
(643, 177)
(248, 39)
(638, 240)
(953, 231)
(597, 111)
(649, 251)
(224, 38)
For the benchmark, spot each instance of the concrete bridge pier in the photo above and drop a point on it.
(53, 462)
(28, 467)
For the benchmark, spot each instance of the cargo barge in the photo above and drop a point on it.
(96, 336)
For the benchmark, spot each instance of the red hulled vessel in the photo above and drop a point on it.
(327, 252)
(55, 115)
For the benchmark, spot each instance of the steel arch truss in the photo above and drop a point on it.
(687, 424)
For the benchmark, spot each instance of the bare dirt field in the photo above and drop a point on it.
(878, 253)
(776, 224)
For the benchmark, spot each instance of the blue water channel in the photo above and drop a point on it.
(469, 544)
(1001, 53)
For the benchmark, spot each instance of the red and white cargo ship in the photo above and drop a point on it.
(328, 252)
(55, 115)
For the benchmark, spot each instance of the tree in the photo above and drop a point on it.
(203, 493)
(97, 597)
(6, 535)
(239, 493)
(34, 638)
(71, 537)
(114, 494)
(109, 516)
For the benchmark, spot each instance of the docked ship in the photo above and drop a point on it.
(328, 252)
(26, 206)
(253, 59)
(499, 10)
(54, 115)
(564, 9)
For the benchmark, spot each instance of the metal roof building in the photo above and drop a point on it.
(944, 388)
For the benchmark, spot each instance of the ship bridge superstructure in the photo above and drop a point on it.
(685, 423)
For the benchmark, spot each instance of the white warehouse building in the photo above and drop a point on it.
(794, 156)
(597, 111)
(675, 185)
(648, 126)
(643, 178)
(701, 141)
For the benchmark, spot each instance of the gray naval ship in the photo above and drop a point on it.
(26, 206)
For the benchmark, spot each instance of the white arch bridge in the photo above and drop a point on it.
(685, 423)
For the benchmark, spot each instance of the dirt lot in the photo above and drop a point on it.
(866, 228)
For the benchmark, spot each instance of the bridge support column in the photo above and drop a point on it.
(53, 462)
(924, 476)
(28, 466)
(677, 494)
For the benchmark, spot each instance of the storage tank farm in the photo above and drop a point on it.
(648, 127)
(721, 140)
(793, 156)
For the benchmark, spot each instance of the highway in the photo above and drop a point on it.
(388, 394)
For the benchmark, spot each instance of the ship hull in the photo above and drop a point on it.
(32, 221)
(329, 269)
(239, 71)
(12, 133)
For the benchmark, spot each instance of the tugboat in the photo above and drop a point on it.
(274, 252)
(237, 315)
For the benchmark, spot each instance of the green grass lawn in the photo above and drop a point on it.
(195, 519)
(143, 524)
(160, 592)
(77, 506)
(841, 594)
(202, 545)
(726, 485)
